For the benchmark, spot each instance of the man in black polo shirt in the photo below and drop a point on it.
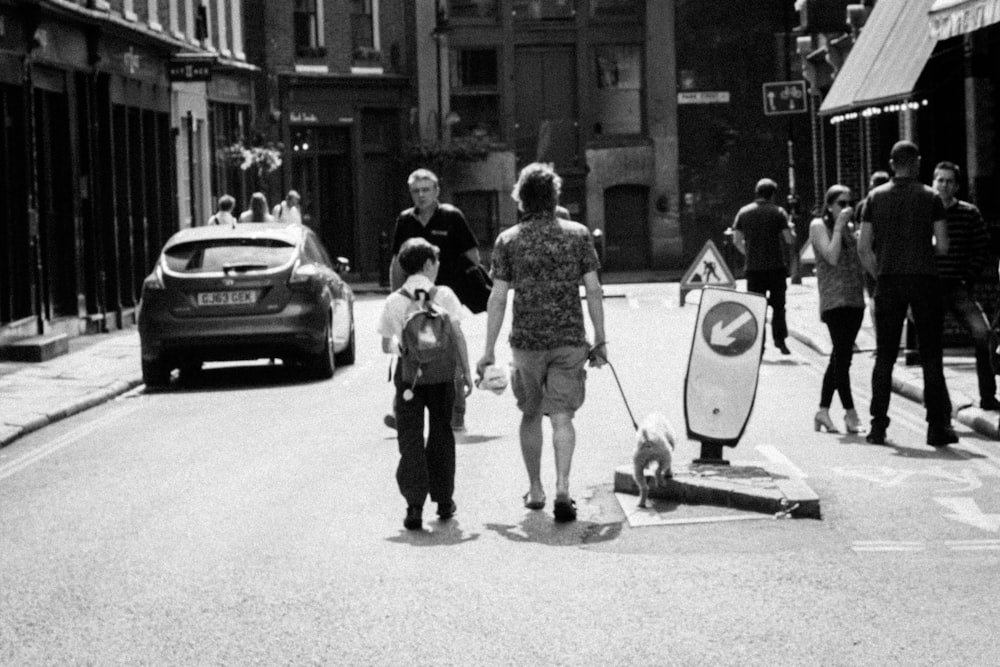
(445, 226)
(959, 270)
(902, 229)
(763, 234)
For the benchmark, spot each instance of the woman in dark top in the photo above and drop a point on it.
(840, 280)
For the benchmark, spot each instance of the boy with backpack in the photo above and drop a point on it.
(424, 320)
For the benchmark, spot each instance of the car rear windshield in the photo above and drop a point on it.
(228, 255)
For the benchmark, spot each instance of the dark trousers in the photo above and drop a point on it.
(843, 324)
(959, 302)
(922, 295)
(772, 284)
(425, 467)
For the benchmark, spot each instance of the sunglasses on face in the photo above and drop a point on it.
(844, 203)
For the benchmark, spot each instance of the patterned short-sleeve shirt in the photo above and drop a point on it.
(544, 259)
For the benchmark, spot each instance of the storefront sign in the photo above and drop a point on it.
(190, 69)
(303, 117)
(949, 18)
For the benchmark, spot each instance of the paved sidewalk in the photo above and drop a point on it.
(102, 366)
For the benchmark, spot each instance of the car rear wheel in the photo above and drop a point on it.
(323, 364)
(155, 373)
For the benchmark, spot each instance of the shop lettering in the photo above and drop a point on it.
(965, 20)
(303, 117)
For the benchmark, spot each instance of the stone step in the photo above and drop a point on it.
(35, 348)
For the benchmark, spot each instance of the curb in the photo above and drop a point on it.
(964, 407)
(85, 402)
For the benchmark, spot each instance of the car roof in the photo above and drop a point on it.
(288, 233)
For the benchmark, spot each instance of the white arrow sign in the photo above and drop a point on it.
(967, 511)
(722, 336)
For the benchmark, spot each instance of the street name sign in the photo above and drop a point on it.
(703, 97)
(724, 364)
(784, 97)
(708, 268)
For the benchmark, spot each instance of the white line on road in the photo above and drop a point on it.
(66, 440)
(772, 454)
(866, 546)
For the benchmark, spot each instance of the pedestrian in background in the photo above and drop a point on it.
(902, 228)
(425, 467)
(288, 209)
(960, 269)
(224, 216)
(543, 259)
(840, 281)
(763, 233)
(442, 225)
(258, 210)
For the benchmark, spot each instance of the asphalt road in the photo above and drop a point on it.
(252, 517)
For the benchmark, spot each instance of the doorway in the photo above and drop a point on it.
(626, 228)
(545, 127)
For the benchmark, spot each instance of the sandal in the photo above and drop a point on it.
(564, 510)
(534, 504)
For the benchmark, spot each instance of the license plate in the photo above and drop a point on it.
(228, 298)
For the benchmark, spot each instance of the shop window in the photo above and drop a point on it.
(617, 99)
(475, 98)
(308, 28)
(616, 10)
(472, 9)
(543, 10)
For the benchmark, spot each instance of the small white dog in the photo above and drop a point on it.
(654, 442)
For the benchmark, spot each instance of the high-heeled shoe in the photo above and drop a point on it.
(822, 419)
(852, 423)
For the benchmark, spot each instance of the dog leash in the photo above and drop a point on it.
(621, 391)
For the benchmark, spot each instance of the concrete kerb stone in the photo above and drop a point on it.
(77, 405)
(746, 487)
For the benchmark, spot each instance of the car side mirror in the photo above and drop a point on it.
(342, 265)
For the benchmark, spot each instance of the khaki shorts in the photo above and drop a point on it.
(549, 381)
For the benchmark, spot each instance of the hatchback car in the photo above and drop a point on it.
(241, 292)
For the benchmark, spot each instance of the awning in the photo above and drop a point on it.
(886, 61)
(951, 18)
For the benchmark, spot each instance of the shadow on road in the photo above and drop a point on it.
(435, 534)
(539, 528)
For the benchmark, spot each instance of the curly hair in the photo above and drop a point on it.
(537, 188)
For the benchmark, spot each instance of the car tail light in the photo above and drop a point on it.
(154, 281)
(303, 274)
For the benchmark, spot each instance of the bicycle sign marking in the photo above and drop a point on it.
(963, 480)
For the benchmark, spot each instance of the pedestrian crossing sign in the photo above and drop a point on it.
(708, 269)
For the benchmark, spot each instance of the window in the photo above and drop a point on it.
(616, 10)
(543, 10)
(617, 108)
(367, 51)
(308, 24)
(475, 99)
(472, 9)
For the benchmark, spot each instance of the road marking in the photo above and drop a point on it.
(774, 455)
(964, 480)
(66, 440)
(973, 545)
(868, 546)
(967, 511)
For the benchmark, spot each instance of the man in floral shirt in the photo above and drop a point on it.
(543, 259)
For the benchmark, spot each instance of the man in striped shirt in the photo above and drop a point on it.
(959, 269)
